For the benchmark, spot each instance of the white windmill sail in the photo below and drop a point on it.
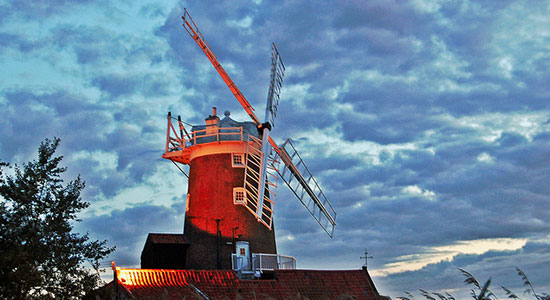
(277, 74)
(297, 176)
(276, 82)
(254, 159)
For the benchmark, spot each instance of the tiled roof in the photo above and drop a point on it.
(146, 284)
(166, 238)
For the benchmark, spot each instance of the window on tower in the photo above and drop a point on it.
(237, 160)
(238, 196)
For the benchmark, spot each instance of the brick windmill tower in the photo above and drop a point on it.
(233, 170)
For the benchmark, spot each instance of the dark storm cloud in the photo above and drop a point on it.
(333, 162)
(406, 167)
(382, 42)
(116, 85)
(122, 141)
(36, 113)
(91, 44)
(456, 213)
(35, 116)
(210, 90)
(97, 184)
(398, 126)
(477, 184)
(518, 151)
(465, 212)
(8, 40)
(98, 46)
(395, 16)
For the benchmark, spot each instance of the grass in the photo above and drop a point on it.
(482, 292)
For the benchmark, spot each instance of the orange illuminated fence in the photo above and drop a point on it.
(179, 139)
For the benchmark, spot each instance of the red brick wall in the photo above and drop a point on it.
(211, 182)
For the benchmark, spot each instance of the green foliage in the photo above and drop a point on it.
(40, 257)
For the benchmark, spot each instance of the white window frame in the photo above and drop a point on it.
(236, 191)
(237, 165)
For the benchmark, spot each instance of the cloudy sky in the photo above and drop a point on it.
(426, 122)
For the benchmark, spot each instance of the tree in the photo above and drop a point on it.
(40, 256)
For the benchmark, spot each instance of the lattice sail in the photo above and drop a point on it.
(252, 179)
(296, 175)
(277, 74)
(275, 85)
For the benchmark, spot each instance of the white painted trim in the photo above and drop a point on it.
(237, 165)
(236, 192)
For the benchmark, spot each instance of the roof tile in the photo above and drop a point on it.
(145, 284)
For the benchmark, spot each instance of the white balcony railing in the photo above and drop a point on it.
(270, 262)
(262, 262)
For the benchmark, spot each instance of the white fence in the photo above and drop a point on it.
(262, 262)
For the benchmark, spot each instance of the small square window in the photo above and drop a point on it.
(238, 196)
(243, 251)
(237, 160)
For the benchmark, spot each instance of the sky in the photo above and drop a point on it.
(426, 123)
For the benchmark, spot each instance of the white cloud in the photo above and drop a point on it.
(376, 77)
(427, 6)
(243, 23)
(447, 62)
(292, 71)
(485, 157)
(333, 140)
(297, 93)
(506, 66)
(159, 188)
(415, 190)
(432, 255)
(492, 125)
(107, 161)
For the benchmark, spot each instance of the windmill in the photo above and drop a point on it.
(241, 159)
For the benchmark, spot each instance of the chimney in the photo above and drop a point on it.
(212, 122)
